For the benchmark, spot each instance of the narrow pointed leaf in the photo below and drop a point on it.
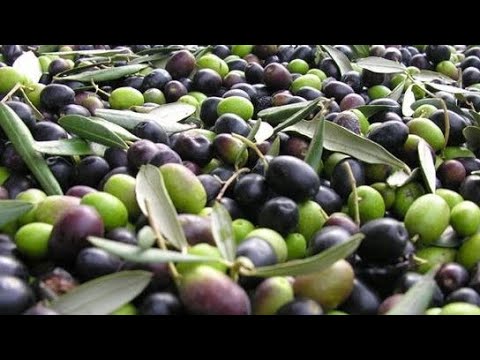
(264, 132)
(64, 147)
(476, 117)
(150, 186)
(381, 65)
(28, 65)
(315, 149)
(276, 114)
(408, 100)
(102, 295)
(42, 49)
(428, 75)
(337, 138)
(275, 147)
(316, 263)
(397, 92)
(23, 142)
(298, 116)
(222, 231)
(369, 110)
(449, 88)
(438, 104)
(427, 165)
(472, 134)
(150, 256)
(400, 177)
(361, 51)
(418, 297)
(98, 52)
(253, 131)
(90, 130)
(117, 129)
(149, 58)
(113, 73)
(11, 210)
(340, 59)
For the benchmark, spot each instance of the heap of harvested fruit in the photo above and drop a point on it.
(244, 179)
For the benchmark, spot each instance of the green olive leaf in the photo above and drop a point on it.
(146, 256)
(427, 165)
(150, 186)
(476, 117)
(416, 300)
(315, 263)
(91, 130)
(400, 177)
(64, 147)
(381, 65)
(275, 147)
(338, 139)
(448, 88)
(42, 49)
(17, 132)
(102, 295)
(397, 92)
(264, 132)
(361, 51)
(428, 76)
(408, 100)
(339, 58)
(117, 129)
(276, 114)
(298, 116)
(315, 149)
(369, 110)
(28, 65)
(11, 210)
(222, 231)
(113, 73)
(98, 52)
(167, 49)
(149, 58)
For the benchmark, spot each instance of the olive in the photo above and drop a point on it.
(280, 214)
(354, 80)
(344, 221)
(411, 278)
(156, 79)
(164, 155)
(236, 92)
(296, 146)
(277, 77)
(152, 131)
(222, 51)
(300, 307)
(122, 235)
(11, 53)
(451, 277)
(351, 101)
(421, 62)
(254, 73)
(232, 207)
(57, 66)
(91, 170)
(135, 82)
(329, 67)
(393, 54)
(74, 109)
(161, 303)
(12, 160)
(292, 177)
(211, 185)
(115, 157)
(24, 112)
(13, 267)
(389, 303)
(457, 124)
(337, 90)
(451, 174)
(16, 183)
(327, 237)
(470, 188)
(180, 64)
(470, 61)
(197, 229)
(370, 78)
(258, 250)
(390, 134)
(194, 147)
(362, 300)
(207, 81)
(384, 242)
(251, 189)
(348, 120)
(15, 295)
(40, 309)
(470, 76)
(208, 110)
(92, 263)
(141, 152)
(48, 131)
(231, 123)
(466, 295)
(340, 173)
(55, 96)
(7, 246)
(437, 53)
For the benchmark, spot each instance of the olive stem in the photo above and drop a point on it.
(97, 89)
(38, 114)
(252, 146)
(353, 183)
(160, 240)
(11, 92)
(419, 261)
(415, 238)
(229, 181)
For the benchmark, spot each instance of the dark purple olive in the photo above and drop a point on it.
(91, 170)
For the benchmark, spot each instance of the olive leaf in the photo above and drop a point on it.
(222, 231)
(408, 100)
(315, 149)
(42, 49)
(102, 295)
(117, 129)
(476, 117)
(150, 186)
(149, 58)
(427, 165)
(400, 177)
(149, 256)
(437, 102)
(369, 110)
(448, 239)
(397, 92)
(339, 58)
(275, 147)
(81, 68)
(448, 88)
(428, 76)
(146, 238)
(11, 210)
(361, 51)
(89, 129)
(381, 65)
(28, 65)
(315, 263)
(97, 76)
(472, 134)
(338, 139)
(298, 116)
(276, 114)
(64, 147)
(98, 52)
(417, 299)
(167, 49)
(23, 142)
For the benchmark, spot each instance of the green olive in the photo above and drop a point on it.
(122, 186)
(311, 218)
(451, 197)
(236, 105)
(32, 240)
(465, 218)
(125, 97)
(112, 211)
(370, 204)
(296, 246)
(241, 228)
(469, 253)
(434, 256)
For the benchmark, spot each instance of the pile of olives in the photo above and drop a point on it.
(281, 208)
